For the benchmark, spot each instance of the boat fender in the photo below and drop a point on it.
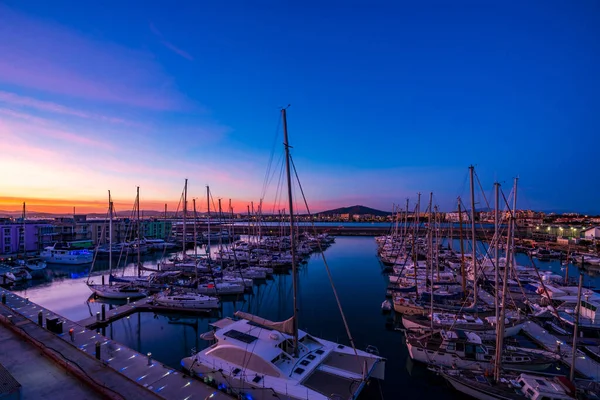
(274, 336)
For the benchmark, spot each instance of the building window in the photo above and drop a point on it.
(7, 240)
(6, 231)
(7, 249)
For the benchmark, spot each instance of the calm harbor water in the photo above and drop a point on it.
(357, 277)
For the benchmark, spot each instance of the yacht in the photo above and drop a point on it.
(523, 386)
(186, 301)
(465, 350)
(64, 254)
(255, 357)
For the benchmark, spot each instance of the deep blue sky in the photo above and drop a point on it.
(388, 98)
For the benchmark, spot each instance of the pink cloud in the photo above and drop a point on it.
(47, 129)
(48, 57)
(170, 45)
(14, 99)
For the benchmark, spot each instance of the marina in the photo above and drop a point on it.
(143, 328)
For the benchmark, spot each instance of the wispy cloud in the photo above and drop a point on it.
(17, 100)
(50, 58)
(170, 45)
(43, 127)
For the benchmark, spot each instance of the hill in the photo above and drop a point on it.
(356, 210)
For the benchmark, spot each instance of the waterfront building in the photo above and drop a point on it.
(592, 233)
(33, 235)
(455, 217)
(157, 228)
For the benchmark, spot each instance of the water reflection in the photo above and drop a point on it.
(359, 282)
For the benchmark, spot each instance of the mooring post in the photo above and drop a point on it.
(103, 312)
(149, 358)
(40, 319)
(129, 298)
(98, 350)
(4, 298)
(102, 280)
(98, 316)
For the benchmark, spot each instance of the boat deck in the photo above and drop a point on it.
(583, 364)
(116, 367)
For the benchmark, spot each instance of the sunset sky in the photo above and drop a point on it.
(388, 98)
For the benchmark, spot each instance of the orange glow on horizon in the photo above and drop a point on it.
(82, 206)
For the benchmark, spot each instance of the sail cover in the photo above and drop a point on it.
(286, 326)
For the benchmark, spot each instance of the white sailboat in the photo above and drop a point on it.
(120, 291)
(505, 385)
(186, 301)
(261, 359)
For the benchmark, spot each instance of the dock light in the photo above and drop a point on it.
(128, 299)
(98, 316)
(72, 334)
(149, 358)
(548, 228)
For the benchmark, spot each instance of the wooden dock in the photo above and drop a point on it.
(106, 365)
(143, 305)
(583, 363)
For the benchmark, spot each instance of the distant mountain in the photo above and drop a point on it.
(356, 210)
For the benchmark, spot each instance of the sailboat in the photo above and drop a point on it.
(505, 385)
(187, 299)
(114, 290)
(262, 359)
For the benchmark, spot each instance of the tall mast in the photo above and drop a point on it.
(139, 239)
(164, 229)
(195, 241)
(406, 219)
(414, 245)
(292, 233)
(184, 217)
(208, 212)
(430, 245)
(462, 249)
(110, 221)
(474, 242)
(437, 240)
(496, 253)
(576, 327)
(24, 235)
(509, 263)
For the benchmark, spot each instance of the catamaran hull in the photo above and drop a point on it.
(234, 385)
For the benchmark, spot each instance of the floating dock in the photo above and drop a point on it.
(114, 370)
(146, 304)
(583, 363)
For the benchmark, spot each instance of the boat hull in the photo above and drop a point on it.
(472, 391)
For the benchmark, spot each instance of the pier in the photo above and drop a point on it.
(583, 364)
(107, 367)
(143, 305)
